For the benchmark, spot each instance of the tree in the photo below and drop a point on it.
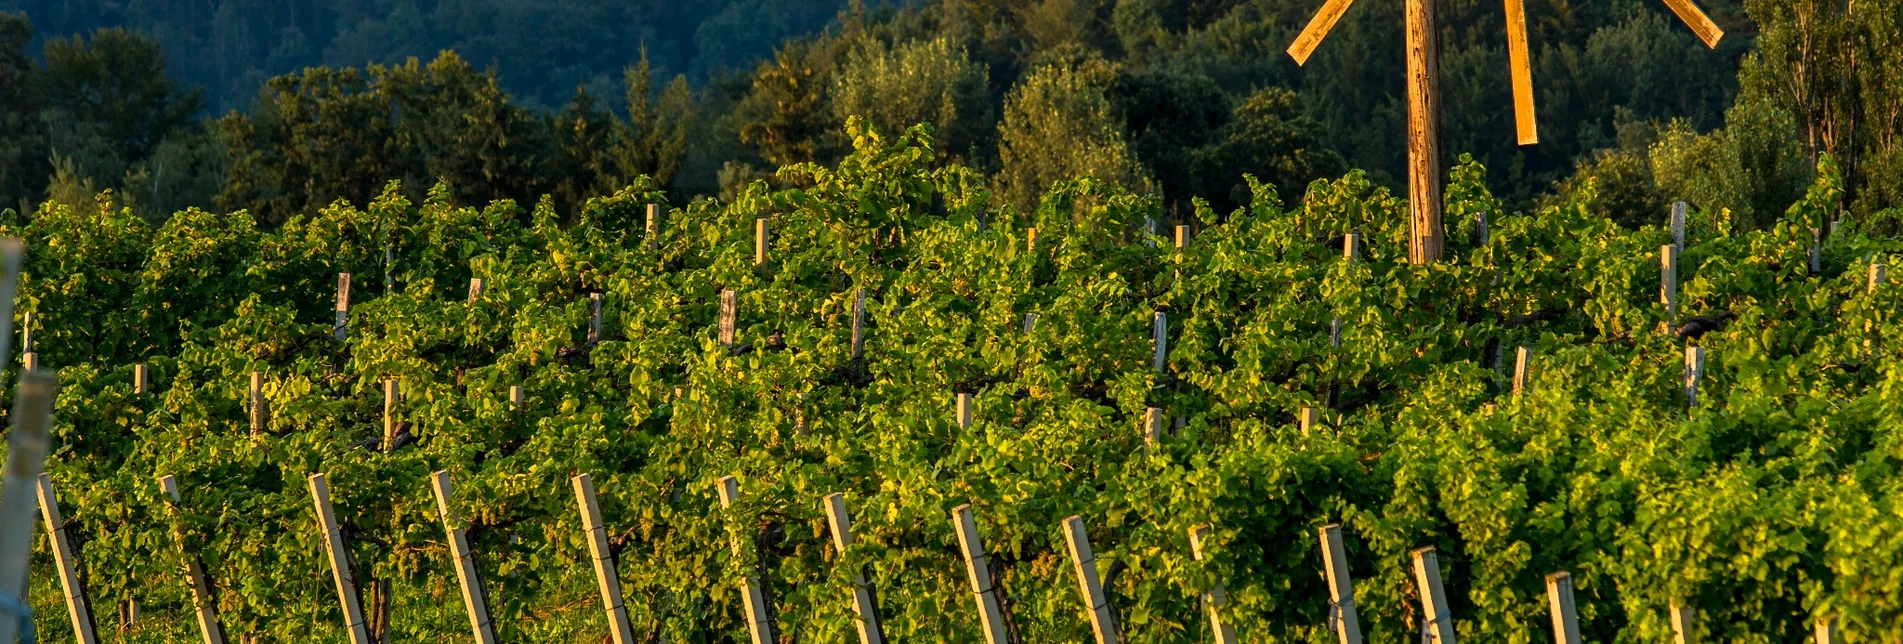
(1267, 136)
(115, 87)
(23, 154)
(895, 86)
(1058, 124)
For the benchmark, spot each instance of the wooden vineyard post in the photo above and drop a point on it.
(1816, 251)
(392, 388)
(605, 574)
(1152, 426)
(1437, 623)
(1683, 623)
(1559, 599)
(1182, 237)
(26, 456)
(1694, 371)
(340, 568)
(594, 318)
(1522, 370)
(654, 226)
(1825, 630)
(1480, 228)
(1030, 322)
(204, 605)
(1308, 418)
(515, 398)
(1668, 283)
(1342, 618)
(476, 288)
(753, 600)
(859, 323)
(26, 332)
(1423, 133)
(1159, 342)
(866, 616)
(30, 361)
(964, 411)
(1030, 240)
(1088, 585)
(141, 379)
(1678, 225)
(257, 403)
(1878, 275)
(1214, 598)
(1350, 248)
(67, 562)
(729, 310)
(465, 560)
(759, 241)
(341, 330)
(990, 614)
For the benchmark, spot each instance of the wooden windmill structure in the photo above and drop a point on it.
(1426, 236)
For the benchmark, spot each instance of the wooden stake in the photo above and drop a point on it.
(391, 391)
(1342, 617)
(1559, 599)
(605, 573)
(1480, 228)
(1030, 322)
(1152, 426)
(1423, 133)
(729, 310)
(1085, 565)
(1678, 225)
(1317, 28)
(1816, 251)
(866, 617)
(141, 379)
(1334, 333)
(465, 560)
(1350, 247)
(1694, 371)
(67, 562)
(30, 361)
(859, 323)
(1159, 342)
(1522, 370)
(594, 318)
(1524, 119)
(26, 332)
(342, 329)
(476, 288)
(654, 226)
(1683, 621)
(990, 615)
(1182, 237)
(964, 410)
(752, 598)
(1439, 623)
(1878, 275)
(335, 547)
(1308, 418)
(1030, 240)
(204, 605)
(515, 398)
(1825, 630)
(759, 241)
(1215, 598)
(257, 403)
(1668, 283)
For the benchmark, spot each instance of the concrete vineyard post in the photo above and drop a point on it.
(1423, 133)
(1480, 228)
(759, 241)
(1668, 283)
(476, 288)
(866, 617)
(1694, 371)
(964, 411)
(1522, 370)
(467, 575)
(1149, 231)
(1084, 563)
(391, 390)
(1825, 630)
(257, 403)
(1678, 225)
(1559, 601)
(1334, 333)
(1816, 251)
(1683, 623)
(1214, 598)
(1343, 619)
(341, 330)
(598, 552)
(335, 549)
(990, 614)
(594, 318)
(141, 379)
(1159, 341)
(729, 310)
(654, 226)
(204, 606)
(753, 600)
(1437, 623)
(859, 323)
(1152, 426)
(66, 562)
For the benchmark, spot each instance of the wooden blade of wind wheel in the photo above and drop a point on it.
(1317, 29)
(1523, 115)
(1700, 24)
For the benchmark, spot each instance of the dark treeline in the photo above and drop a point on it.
(1180, 98)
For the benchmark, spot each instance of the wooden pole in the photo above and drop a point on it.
(1423, 132)
(1678, 225)
(1318, 27)
(1825, 630)
(141, 379)
(1215, 598)
(1152, 426)
(605, 573)
(1480, 228)
(1085, 565)
(1878, 275)
(1182, 237)
(392, 388)
(204, 605)
(515, 398)
(964, 411)
(594, 318)
(1668, 283)
(1030, 322)
(1030, 240)
(1701, 25)
(339, 554)
(476, 288)
(1683, 623)
(1522, 370)
(759, 241)
(26, 456)
(1525, 121)
(1342, 617)
(257, 403)
(67, 562)
(990, 614)
(30, 361)
(1694, 371)
(1559, 599)
(729, 310)
(866, 616)
(859, 323)
(465, 560)
(654, 226)
(753, 600)
(342, 329)
(1438, 622)
(1334, 333)
(1159, 342)
(1308, 418)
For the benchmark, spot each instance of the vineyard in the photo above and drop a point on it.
(881, 332)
